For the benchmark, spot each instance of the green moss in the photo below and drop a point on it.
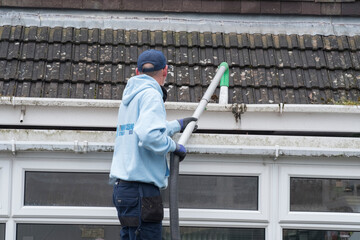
(344, 101)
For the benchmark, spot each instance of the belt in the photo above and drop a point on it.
(134, 182)
(124, 181)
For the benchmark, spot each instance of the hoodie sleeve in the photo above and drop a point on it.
(151, 126)
(172, 127)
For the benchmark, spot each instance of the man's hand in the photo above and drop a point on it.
(185, 121)
(180, 151)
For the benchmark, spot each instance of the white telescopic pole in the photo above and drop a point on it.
(174, 159)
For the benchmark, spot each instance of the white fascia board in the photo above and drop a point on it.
(18, 111)
(228, 23)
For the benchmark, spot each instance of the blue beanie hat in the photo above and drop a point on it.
(154, 57)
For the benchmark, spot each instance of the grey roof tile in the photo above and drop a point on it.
(183, 94)
(105, 54)
(11, 71)
(5, 32)
(2, 69)
(218, 40)
(310, 58)
(36, 89)
(119, 37)
(144, 37)
(294, 58)
(41, 51)
(168, 38)
(293, 38)
(283, 41)
(357, 42)
(4, 47)
(260, 56)
(208, 41)
(272, 57)
(28, 51)
(285, 58)
(30, 34)
(67, 35)
(133, 37)
(23, 89)
(320, 61)
(42, 34)
(38, 71)
(26, 70)
(15, 34)
(65, 71)
(81, 35)
(106, 37)
(52, 71)
(55, 34)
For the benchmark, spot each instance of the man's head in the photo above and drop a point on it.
(153, 63)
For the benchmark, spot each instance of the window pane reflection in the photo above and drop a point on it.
(325, 195)
(67, 189)
(68, 232)
(106, 232)
(289, 234)
(197, 233)
(2, 231)
(216, 192)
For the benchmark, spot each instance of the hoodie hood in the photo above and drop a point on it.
(138, 84)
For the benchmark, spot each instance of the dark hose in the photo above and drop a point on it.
(173, 198)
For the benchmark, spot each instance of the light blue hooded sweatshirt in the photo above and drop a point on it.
(143, 134)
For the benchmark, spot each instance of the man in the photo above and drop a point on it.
(143, 138)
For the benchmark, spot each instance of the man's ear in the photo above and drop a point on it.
(137, 71)
(165, 71)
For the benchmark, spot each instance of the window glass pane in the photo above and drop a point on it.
(68, 232)
(106, 232)
(216, 192)
(200, 233)
(289, 234)
(2, 231)
(324, 195)
(67, 189)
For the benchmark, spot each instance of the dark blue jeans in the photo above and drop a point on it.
(137, 223)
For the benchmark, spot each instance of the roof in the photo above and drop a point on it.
(96, 63)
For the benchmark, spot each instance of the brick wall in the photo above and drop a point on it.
(297, 7)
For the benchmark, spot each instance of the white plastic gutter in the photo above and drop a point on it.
(17, 111)
(274, 151)
(14, 141)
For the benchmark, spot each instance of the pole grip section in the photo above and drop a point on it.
(174, 159)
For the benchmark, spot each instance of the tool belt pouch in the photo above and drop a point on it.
(128, 211)
(152, 209)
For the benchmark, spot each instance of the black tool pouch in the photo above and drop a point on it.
(129, 212)
(152, 209)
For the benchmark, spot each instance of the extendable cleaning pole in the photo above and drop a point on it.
(174, 160)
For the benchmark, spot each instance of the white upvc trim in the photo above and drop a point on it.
(5, 187)
(257, 117)
(50, 162)
(205, 22)
(97, 163)
(319, 226)
(274, 151)
(314, 170)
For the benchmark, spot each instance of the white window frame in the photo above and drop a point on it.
(5, 187)
(230, 165)
(344, 170)
(194, 164)
(58, 162)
